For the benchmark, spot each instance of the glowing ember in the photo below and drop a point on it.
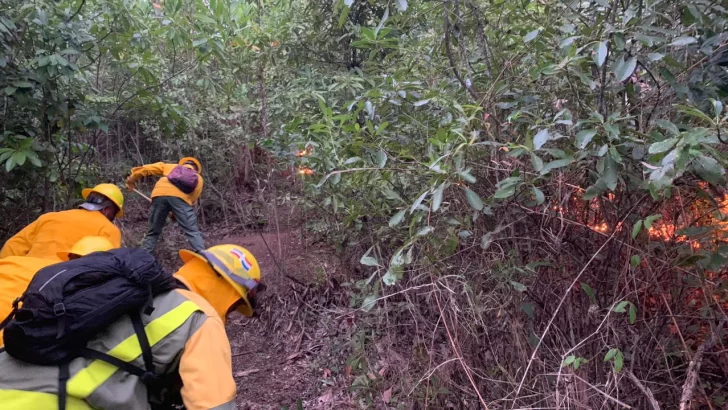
(556, 207)
(662, 232)
(305, 152)
(724, 204)
(305, 171)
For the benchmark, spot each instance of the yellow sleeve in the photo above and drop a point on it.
(21, 242)
(156, 169)
(195, 195)
(206, 369)
(114, 235)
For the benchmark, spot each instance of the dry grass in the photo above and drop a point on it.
(472, 327)
(490, 328)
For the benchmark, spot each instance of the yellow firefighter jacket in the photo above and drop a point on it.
(57, 232)
(163, 187)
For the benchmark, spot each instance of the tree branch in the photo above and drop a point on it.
(481, 36)
(644, 389)
(657, 84)
(693, 374)
(151, 87)
(78, 10)
(448, 47)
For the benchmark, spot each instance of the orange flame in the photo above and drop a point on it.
(661, 230)
(602, 227)
(305, 152)
(305, 171)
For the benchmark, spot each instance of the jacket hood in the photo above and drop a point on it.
(199, 277)
(193, 159)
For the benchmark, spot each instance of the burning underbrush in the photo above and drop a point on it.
(606, 303)
(696, 217)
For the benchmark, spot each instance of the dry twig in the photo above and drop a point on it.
(278, 265)
(553, 317)
(644, 389)
(694, 369)
(466, 369)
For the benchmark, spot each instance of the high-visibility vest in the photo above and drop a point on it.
(95, 384)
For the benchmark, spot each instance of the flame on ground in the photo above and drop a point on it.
(305, 152)
(660, 230)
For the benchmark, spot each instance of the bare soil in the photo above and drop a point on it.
(267, 370)
(282, 359)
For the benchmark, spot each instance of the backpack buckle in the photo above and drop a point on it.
(59, 309)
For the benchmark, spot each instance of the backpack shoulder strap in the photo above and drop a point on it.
(147, 375)
(125, 366)
(63, 375)
(154, 382)
(136, 322)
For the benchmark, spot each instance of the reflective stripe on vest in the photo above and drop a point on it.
(83, 383)
(22, 400)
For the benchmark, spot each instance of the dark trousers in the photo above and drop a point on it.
(186, 218)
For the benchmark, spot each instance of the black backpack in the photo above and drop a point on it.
(67, 304)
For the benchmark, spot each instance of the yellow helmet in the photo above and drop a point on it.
(86, 245)
(234, 263)
(192, 160)
(110, 191)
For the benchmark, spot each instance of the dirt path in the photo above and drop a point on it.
(268, 367)
(280, 358)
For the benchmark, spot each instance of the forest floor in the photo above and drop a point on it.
(293, 356)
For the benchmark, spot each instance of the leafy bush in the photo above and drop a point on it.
(535, 191)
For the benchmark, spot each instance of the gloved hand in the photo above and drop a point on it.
(130, 183)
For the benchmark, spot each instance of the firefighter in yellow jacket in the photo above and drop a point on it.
(172, 194)
(55, 232)
(186, 333)
(17, 271)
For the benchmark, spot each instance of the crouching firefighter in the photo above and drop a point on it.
(113, 330)
(16, 272)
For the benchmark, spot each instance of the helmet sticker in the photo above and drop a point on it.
(242, 258)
